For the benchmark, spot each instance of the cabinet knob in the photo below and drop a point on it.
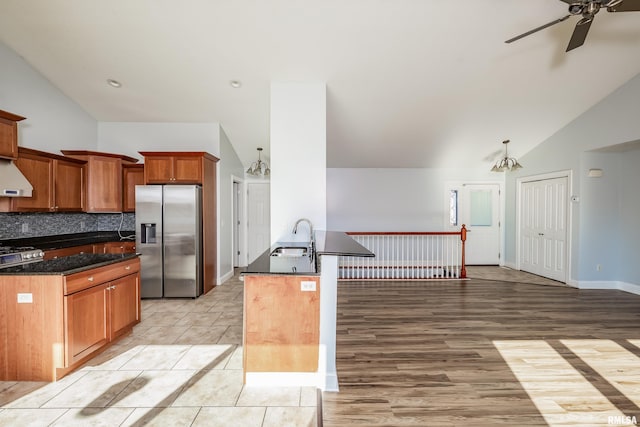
(128, 267)
(90, 278)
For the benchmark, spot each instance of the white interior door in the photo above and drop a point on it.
(237, 209)
(543, 227)
(258, 219)
(479, 210)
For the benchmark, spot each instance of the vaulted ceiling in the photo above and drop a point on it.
(410, 83)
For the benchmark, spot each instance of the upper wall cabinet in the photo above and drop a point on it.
(104, 179)
(9, 135)
(132, 175)
(58, 183)
(175, 167)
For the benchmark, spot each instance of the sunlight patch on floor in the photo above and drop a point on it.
(561, 393)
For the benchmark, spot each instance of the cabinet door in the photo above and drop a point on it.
(74, 250)
(158, 170)
(69, 186)
(124, 295)
(86, 327)
(8, 139)
(188, 170)
(132, 175)
(39, 171)
(118, 248)
(104, 184)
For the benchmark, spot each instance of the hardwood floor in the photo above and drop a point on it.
(484, 353)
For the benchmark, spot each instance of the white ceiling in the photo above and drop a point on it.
(410, 83)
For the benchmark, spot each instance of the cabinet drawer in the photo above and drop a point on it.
(86, 279)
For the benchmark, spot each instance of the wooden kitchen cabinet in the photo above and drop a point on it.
(124, 305)
(175, 167)
(103, 186)
(132, 175)
(128, 247)
(100, 305)
(58, 183)
(9, 134)
(87, 322)
(66, 320)
(62, 252)
(99, 315)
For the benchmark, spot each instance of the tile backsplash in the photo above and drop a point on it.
(19, 225)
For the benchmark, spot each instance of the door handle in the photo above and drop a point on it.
(540, 234)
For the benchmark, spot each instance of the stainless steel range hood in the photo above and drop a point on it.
(12, 182)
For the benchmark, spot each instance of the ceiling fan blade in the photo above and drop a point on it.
(625, 6)
(580, 33)
(535, 30)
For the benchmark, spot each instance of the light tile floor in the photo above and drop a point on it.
(181, 366)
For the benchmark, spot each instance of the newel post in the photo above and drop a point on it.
(463, 238)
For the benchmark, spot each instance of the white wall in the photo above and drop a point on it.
(298, 157)
(599, 209)
(53, 122)
(611, 122)
(392, 199)
(629, 199)
(130, 137)
(228, 167)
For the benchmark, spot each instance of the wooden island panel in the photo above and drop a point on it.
(36, 357)
(281, 324)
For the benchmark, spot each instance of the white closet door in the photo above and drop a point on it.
(544, 228)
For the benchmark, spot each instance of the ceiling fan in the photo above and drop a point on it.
(588, 9)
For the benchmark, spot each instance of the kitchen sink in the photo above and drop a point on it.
(289, 251)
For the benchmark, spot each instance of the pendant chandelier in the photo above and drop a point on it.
(259, 168)
(506, 163)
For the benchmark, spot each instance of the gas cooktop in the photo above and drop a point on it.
(19, 255)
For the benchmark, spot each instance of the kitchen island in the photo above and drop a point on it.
(289, 335)
(57, 314)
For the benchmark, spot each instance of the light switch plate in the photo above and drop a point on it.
(308, 286)
(25, 298)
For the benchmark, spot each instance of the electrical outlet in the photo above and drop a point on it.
(25, 298)
(25, 227)
(308, 286)
(82, 225)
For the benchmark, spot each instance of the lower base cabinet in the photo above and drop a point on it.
(87, 322)
(99, 315)
(53, 323)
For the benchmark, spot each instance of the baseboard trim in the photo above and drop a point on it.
(225, 277)
(610, 285)
(510, 265)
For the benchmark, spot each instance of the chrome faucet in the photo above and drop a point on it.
(311, 236)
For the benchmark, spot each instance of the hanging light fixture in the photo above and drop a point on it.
(506, 163)
(259, 168)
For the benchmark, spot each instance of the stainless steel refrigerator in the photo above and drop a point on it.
(169, 240)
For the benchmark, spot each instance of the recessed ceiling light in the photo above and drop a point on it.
(235, 84)
(114, 83)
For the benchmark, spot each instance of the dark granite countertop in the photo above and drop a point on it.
(340, 244)
(65, 265)
(69, 240)
(327, 243)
